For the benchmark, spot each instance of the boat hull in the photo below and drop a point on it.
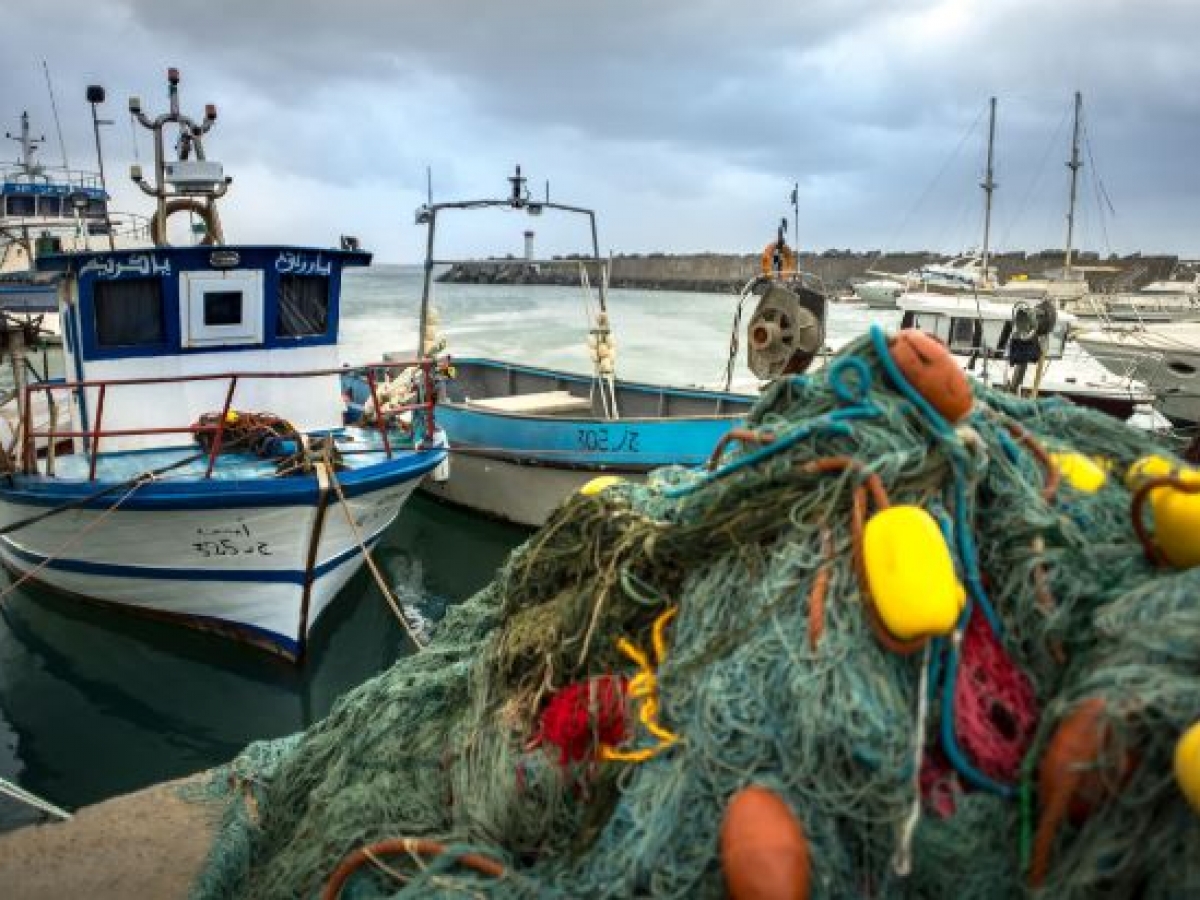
(524, 494)
(524, 438)
(247, 569)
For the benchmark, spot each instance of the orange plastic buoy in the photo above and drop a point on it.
(764, 853)
(1076, 773)
(933, 373)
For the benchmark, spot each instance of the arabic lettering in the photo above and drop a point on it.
(139, 264)
(292, 263)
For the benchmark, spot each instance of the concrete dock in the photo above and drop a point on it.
(147, 844)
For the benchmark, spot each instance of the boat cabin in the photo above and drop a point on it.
(172, 318)
(976, 327)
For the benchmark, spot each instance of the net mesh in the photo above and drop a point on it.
(769, 672)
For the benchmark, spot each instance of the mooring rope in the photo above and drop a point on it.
(18, 793)
(418, 642)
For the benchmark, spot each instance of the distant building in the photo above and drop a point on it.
(528, 246)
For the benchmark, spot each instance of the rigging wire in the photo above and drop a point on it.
(1098, 188)
(62, 147)
(1023, 205)
(924, 196)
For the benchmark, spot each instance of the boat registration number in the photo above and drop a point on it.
(608, 440)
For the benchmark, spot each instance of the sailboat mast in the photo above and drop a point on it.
(988, 185)
(1074, 165)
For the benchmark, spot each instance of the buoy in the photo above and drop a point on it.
(1187, 765)
(598, 484)
(1177, 525)
(933, 373)
(1141, 471)
(1072, 761)
(1081, 471)
(910, 573)
(764, 853)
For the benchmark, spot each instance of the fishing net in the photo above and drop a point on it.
(577, 728)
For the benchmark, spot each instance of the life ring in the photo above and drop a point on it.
(206, 212)
(787, 259)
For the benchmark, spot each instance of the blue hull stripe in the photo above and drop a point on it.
(116, 570)
(197, 493)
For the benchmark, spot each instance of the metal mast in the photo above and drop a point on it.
(988, 184)
(1074, 165)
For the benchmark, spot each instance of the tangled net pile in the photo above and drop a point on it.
(725, 607)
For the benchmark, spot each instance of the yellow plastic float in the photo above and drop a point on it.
(596, 485)
(1187, 765)
(1080, 471)
(1177, 525)
(1153, 466)
(910, 573)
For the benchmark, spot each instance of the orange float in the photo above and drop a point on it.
(933, 373)
(1078, 772)
(764, 853)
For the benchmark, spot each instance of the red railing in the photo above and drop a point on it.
(97, 431)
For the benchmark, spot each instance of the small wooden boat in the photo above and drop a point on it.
(210, 478)
(524, 438)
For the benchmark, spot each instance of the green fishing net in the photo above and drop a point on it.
(760, 687)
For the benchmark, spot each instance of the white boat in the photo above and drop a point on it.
(1023, 348)
(880, 293)
(1165, 356)
(181, 496)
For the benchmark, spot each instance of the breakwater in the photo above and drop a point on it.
(839, 269)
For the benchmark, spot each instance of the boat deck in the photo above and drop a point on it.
(360, 448)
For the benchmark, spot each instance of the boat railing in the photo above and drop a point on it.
(75, 179)
(93, 436)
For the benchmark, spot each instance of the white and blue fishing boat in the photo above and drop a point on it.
(210, 478)
(524, 438)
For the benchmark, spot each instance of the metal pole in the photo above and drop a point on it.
(95, 95)
(989, 185)
(428, 285)
(1074, 165)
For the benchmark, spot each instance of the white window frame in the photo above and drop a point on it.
(192, 288)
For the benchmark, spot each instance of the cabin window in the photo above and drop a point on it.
(49, 207)
(303, 306)
(129, 312)
(962, 333)
(222, 307)
(95, 209)
(19, 206)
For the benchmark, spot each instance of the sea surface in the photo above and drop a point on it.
(95, 703)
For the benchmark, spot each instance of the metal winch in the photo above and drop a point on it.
(786, 331)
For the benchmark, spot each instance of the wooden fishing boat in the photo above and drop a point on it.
(524, 438)
(210, 478)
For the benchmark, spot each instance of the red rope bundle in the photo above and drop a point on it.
(582, 716)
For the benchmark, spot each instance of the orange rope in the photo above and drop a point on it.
(412, 846)
(1052, 476)
(816, 597)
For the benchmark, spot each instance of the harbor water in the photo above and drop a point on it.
(95, 703)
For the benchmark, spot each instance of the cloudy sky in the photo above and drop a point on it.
(684, 123)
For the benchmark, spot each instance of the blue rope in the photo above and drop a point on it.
(954, 753)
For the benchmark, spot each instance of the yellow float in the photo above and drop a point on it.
(1177, 525)
(598, 484)
(1187, 765)
(1080, 471)
(910, 573)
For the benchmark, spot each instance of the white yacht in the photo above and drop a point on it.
(1022, 347)
(1166, 356)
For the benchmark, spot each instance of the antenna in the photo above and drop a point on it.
(429, 185)
(62, 147)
